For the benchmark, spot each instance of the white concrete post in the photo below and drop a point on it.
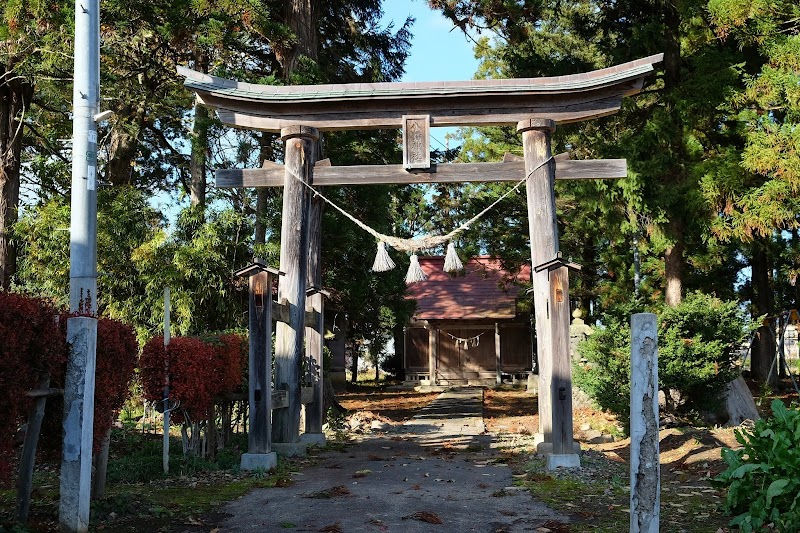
(76, 457)
(645, 465)
(76, 464)
(167, 334)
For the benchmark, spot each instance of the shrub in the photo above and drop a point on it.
(115, 362)
(31, 345)
(230, 362)
(763, 477)
(199, 370)
(607, 377)
(696, 354)
(189, 360)
(117, 351)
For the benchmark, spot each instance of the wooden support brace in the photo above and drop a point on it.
(43, 393)
(510, 170)
(280, 313)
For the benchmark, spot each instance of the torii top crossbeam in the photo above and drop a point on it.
(563, 99)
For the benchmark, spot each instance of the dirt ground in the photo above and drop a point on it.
(594, 498)
(598, 494)
(388, 406)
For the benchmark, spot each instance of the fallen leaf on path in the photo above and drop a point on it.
(556, 526)
(339, 490)
(333, 528)
(425, 516)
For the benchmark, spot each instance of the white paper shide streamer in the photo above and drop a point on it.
(415, 273)
(383, 262)
(452, 263)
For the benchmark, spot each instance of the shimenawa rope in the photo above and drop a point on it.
(383, 261)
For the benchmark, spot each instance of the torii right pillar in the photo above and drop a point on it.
(555, 373)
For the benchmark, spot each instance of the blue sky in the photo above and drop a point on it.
(439, 52)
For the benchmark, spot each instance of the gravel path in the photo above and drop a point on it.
(437, 472)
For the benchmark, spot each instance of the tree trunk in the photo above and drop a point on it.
(100, 461)
(197, 164)
(354, 369)
(673, 255)
(211, 431)
(263, 194)
(397, 366)
(302, 16)
(673, 270)
(15, 99)
(674, 263)
(199, 139)
(763, 352)
(122, 148)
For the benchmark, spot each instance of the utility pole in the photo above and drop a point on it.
(76, 464)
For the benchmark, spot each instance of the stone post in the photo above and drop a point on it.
(645, 465)
(76, 458)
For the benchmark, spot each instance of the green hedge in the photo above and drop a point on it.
(697, 343)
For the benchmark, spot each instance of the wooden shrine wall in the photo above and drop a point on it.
(456, 361)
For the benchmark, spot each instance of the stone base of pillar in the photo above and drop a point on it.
(566, 460)
(313, 439)
(546, 448)
(533, 384)
(259, 461)
(290, 449)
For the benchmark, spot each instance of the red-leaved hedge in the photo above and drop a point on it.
(115, 362)
(31, 344)
(199, 370)
(117, 351)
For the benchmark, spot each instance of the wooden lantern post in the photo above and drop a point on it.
(558, 396)
(259, 448)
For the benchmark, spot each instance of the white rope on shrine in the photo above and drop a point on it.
(466, 343)
(424, 242)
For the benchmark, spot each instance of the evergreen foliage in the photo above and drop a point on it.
(697, 343)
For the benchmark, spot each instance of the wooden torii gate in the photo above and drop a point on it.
(535, 105)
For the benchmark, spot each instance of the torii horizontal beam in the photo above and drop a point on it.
(563, 99)
(272, 174)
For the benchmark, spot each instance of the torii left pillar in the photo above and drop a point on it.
(552, 337)
(300, 155)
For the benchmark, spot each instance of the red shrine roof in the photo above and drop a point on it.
(485, 291)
